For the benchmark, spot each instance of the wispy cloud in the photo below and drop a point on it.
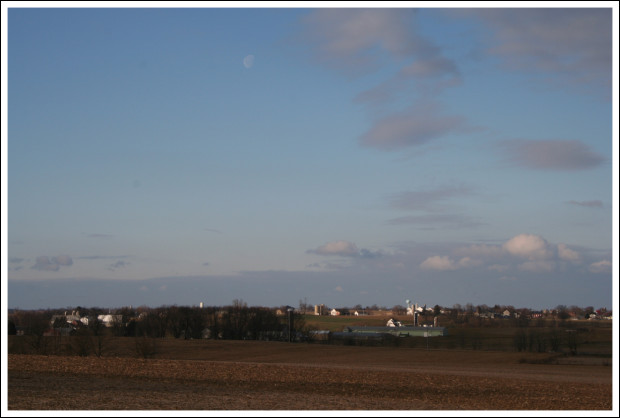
(603, 266)
(432, 210)
(343, 249)
(330, 265)
(587, 203)
(355, 40)
(480, 250)
(551, 154)
(45, 263)
(572, 46)
(417, 125)
(433, 221)
(118, 265)
(360, 41)
(101, 257)
(424, 78)
(427, 199)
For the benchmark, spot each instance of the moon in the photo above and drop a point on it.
(248, 61)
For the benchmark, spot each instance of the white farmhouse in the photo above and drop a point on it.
(109, 320)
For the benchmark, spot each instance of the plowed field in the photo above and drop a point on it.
(241, 375)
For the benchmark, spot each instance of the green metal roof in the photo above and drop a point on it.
(400, 331)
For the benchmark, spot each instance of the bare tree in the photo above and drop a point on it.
(81, 343)
(35, 323)
(398, 310)
(99, 336)
(118, 325)
(146, 347)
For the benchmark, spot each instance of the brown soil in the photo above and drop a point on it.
(241, 375)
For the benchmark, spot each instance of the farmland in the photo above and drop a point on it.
(478, 365)
(590, 337)
(260, 375)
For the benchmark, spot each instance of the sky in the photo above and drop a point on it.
(331, 155)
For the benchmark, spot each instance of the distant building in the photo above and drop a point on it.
(72, 318)
(110, 320)
(403, 331)
(393, 323)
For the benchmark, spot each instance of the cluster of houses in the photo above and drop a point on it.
(599, 314)
(69, 322)
(320, 310)
(413, 309)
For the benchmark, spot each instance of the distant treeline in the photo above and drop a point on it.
(88, 331)
(236, 321)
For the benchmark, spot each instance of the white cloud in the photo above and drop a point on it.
(531, 247)
(524, 252)
(341, 248)
(603, 266)
(567, 254)
(469, 262)
(446, 263)
(438, 263)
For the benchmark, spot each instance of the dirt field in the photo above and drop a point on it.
(243, 375)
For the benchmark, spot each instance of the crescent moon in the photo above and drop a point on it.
(248, 61)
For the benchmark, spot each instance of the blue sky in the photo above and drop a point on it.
(162, 156)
